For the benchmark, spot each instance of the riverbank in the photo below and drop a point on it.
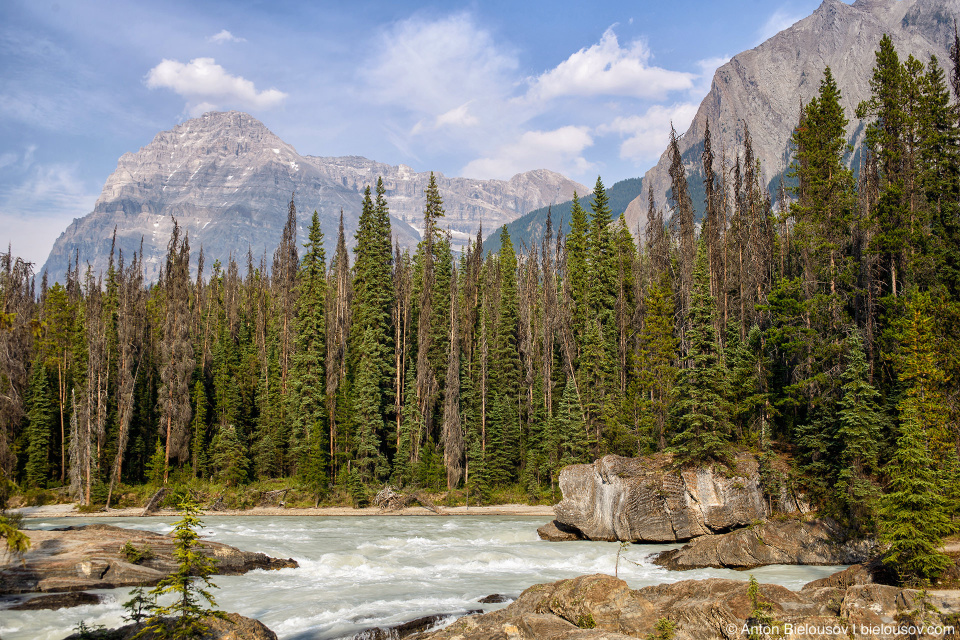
(71, 511)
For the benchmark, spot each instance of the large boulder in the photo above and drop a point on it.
(92, 557)
(601, 607)
(818, 542)
(648, 500)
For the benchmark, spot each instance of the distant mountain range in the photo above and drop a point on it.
(227, 179)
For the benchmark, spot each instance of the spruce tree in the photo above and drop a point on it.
(40, 416)
(701, 410)
(861, 422)
(308, 388)
(367, 412)
(914, 514)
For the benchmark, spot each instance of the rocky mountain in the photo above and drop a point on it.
(764, 87)
(227, 179)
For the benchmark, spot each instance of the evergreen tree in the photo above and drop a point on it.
(190, 584)
(308, 388)
(654, 364)
(701, 409)
(229, 456)
(40, 416)
(861, 422)
(914, 515)
(367, 407)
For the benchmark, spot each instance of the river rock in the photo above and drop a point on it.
(556, 531)
(90, 557)
(56, 601)
(234, 627)
(648, 500)
(601, 607)
(819, 542)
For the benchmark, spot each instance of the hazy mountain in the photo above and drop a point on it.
(527, 230)
(227, 179)
(765, 86)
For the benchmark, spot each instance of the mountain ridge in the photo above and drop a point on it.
(228, 179)
(764, 86)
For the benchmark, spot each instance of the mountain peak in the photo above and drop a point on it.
(227, 179)
(763, 87)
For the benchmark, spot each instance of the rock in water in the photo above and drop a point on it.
(91, 557)
(820, 542)
(556, 531)
(646, 500)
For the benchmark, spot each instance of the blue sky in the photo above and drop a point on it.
(477, 89)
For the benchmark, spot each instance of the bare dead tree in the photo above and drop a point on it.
(452, 435)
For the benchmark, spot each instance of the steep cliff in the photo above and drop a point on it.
(764, 87)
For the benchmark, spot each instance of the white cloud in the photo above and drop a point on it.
(608, 69)
(224, 36)
(559, 150)
(459, 117)
(708, 67)
(647, 135)
(34, 211)
(432, 68)
(206, 86)
(777, 22)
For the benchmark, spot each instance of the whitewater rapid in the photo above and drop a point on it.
(362, 572)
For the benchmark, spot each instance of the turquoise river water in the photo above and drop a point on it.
(362, 572)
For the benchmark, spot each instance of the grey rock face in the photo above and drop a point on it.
(227, 179)
(763, 87)
(643, 499)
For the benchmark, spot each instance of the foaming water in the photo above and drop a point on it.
(361, 572)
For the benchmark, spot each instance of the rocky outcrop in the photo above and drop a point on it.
(91, 557)
(647, 500)
(227, 179)
(820, 542)
(232, 627)
(600, 607)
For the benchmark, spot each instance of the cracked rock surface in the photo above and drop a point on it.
(648, 500)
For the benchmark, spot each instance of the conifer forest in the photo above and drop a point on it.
(814, 321)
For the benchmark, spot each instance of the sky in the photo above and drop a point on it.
(481, 89)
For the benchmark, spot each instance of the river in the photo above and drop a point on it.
(361, 572)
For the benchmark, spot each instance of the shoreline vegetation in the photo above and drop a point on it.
(70, 511)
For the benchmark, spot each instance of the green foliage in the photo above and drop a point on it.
(760, 613)
(701, 410)
(138, 606)
(229, 456)
(914, 514)
(133, 555)
(40, 417)
(189, 585)
(665, 629)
